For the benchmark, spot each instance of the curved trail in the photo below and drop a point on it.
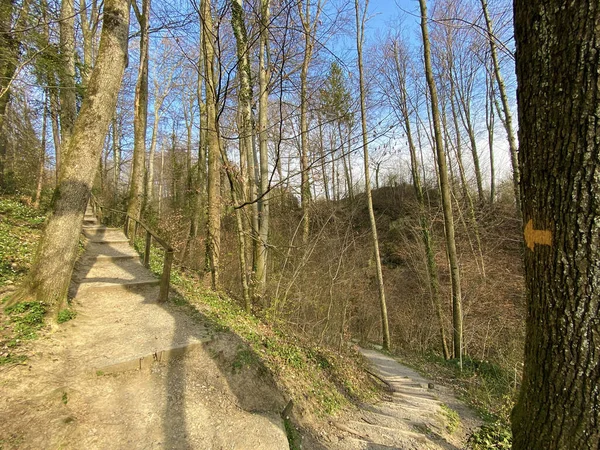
(410, 417)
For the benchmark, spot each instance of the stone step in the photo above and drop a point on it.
(110, 241)
(95, 286)
(146, 362)
(111, 258)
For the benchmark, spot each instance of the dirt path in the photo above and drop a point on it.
(130, 373)
(415, 415)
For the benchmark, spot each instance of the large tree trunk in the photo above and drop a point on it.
(248, 179)
(212, 140)
(263, 78)
(360, 29)
(51, 271)
(140, 117)
(558, 96)
(444, 188)
(68, 98)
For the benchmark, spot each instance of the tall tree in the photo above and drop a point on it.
(360, 36)
(444, 188)
(310, 21)
(213, 144)
(68, 97)
(506, 119)
(50, 274)
(397, 91)
(263, 81)
(558, 97)
(140, 117)
(246, 129)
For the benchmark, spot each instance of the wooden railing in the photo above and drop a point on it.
(109, 216)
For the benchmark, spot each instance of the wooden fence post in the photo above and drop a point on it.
(166, 277)
(147, 249)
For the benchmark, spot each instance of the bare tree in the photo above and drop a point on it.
(360, 32)
(444, 189)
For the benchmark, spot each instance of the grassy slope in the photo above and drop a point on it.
(20, 228)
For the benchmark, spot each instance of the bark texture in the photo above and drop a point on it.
(68, 99)
(51, 272)
(263, 78)
(140, 117)
(213, 144)
(559, 127)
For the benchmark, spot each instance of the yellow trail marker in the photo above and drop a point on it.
(532, 236)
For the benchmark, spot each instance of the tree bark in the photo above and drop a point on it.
(360, 29)
(40, 180)
(558, 96)
(445, 190)
(68, 98)
(263, 78)
(212, 140)
(50, 274)
(248, 191)
(140, 117)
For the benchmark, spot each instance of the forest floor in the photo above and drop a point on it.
(128, 372)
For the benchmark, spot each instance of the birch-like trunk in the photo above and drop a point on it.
(444, 189)
(507, 120)
(360, 29)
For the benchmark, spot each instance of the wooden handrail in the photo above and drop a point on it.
(165, 278)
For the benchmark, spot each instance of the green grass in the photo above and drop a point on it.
(20, 227)
(26, 319)
(322, 379)
(65, 315)
(452, 418)
(485, 386)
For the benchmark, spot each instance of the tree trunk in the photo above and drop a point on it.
(249, 192)
(309, 26)
(323, 161)
(263, 78)
(558, 100)
(68, 99)
(445, 190)
(212, 140)
(507, 119)
(490, 123)
(360, 29)
(140, 117)
(40, 180)
(432, 271)
(50, 274)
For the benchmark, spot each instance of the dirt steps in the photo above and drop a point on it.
(131, 373)
(412, 416)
